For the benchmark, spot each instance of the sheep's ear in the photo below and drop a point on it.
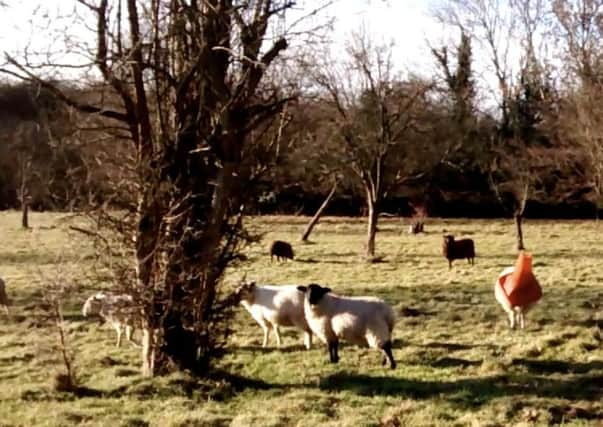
(326, 290)
(302, 289)
(251, 285)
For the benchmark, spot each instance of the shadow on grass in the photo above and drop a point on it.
(558, 366)
(259, 349)
(322, 261)
(572, 254)
(39, 258)
(469, 392)
(450, 346)
(454, 362)
(14, 359)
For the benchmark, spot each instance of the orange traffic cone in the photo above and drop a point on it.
(516, 289)
(521, 286)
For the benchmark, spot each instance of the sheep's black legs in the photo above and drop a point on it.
(333, 356)
(387, 349)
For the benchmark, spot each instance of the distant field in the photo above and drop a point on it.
(458, 363)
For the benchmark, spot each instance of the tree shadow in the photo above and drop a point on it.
(75, 317)
(450, 346)
(468, 392)
(264, 350)
(454, 362)
(558, 366)
(573, 254)
(322, 261)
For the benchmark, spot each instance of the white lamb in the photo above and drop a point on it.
(3, 297)
(364, 321)
(274, 306)
(117, 309)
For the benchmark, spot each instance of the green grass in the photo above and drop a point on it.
(458, 363)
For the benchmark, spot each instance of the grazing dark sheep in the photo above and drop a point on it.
(281, 250)
(458, 249)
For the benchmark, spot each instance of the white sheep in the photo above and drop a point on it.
(516, 313)
(364, 321)
(117, 309)
(3, 297)
(274, 306)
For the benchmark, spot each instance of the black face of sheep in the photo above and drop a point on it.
(315, 292)
(243, 291)
(282, 250)
(458, 249)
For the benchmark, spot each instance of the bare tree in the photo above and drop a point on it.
(374, 113)
(580, 34)
(522, 94)
(190, 90)
(316, 217)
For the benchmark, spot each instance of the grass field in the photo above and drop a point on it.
(458, 363)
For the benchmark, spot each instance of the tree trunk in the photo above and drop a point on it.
(25, 213)
(373, 216)
(148, 352)
(518, 219)
(318, 214)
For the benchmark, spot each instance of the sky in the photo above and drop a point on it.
(406, 23)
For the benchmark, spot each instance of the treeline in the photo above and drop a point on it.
(52, 154)
(387, 141)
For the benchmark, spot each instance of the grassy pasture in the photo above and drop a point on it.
(458, 363)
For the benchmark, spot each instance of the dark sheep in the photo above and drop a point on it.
(458, 249)
(415, 228)
(282, 250)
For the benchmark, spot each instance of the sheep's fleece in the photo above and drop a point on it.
(274, 306)
(364, 321)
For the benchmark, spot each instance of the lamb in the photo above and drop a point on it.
(117, 309)
(4, 301)
(365, 321)
(274, 306)
(281, 249)
(458, 249)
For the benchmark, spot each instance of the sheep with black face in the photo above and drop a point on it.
(364, 321)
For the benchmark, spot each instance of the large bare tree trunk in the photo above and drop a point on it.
(518, 220)
(318, 213)
(373, 216)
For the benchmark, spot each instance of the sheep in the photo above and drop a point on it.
(274, 306)
(416, 228)
(281, 249)
(458, 249)
(3, 297)
(364, 321)
(117, 309)
(516, 313)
